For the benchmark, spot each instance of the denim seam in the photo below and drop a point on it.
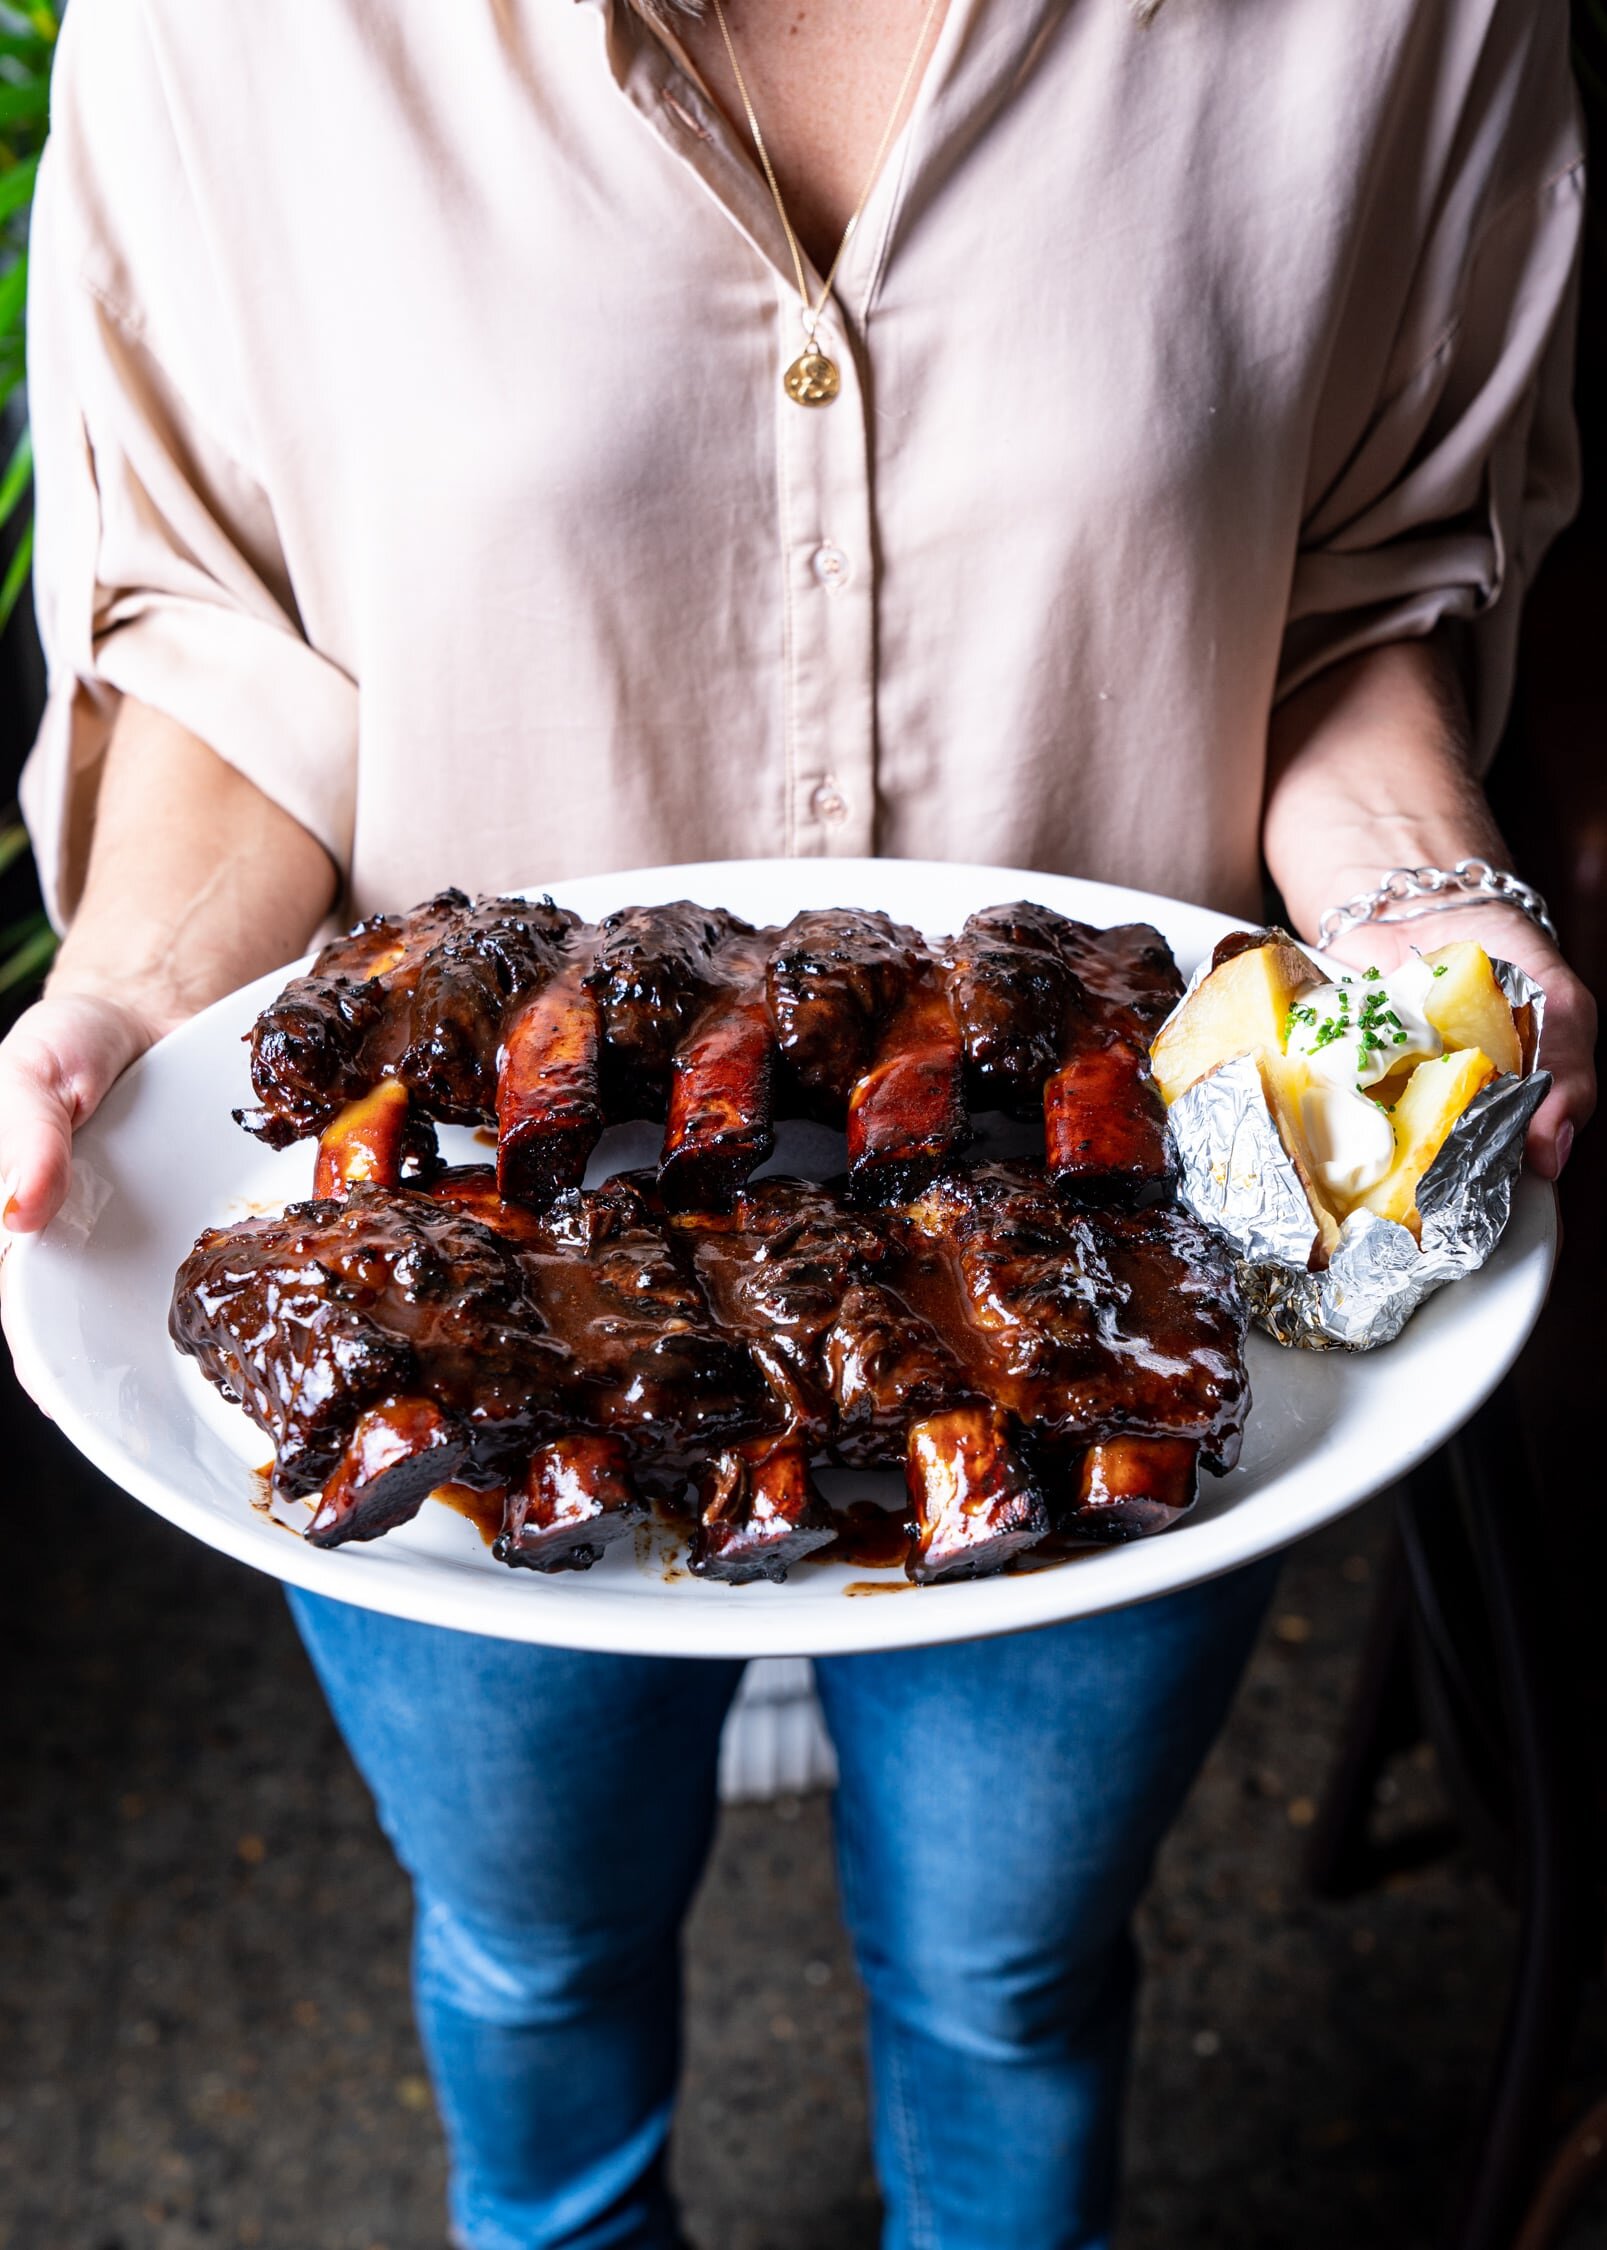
(922, 2233)
(889, 2090)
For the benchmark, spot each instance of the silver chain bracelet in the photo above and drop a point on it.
(1441, 889)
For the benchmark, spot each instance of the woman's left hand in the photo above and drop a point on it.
(1568, 1038)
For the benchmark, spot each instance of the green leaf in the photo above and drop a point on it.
(25, 105)
(16, 576)
(19, 470)
(13, 295)
(17, 186)
(13, 844)
(40, 23)
(26, 951)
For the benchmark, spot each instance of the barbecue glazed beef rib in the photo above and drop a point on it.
(650, 1367)
(1055, 1011)
(420, 997)
(515, 1015)
(390, 1305)
(1029, 1365)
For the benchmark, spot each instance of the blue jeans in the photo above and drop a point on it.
(999, 1807)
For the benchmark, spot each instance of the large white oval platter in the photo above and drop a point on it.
(86, 1313)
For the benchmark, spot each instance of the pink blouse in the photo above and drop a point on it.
(406, 380)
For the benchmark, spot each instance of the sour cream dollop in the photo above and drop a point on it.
(1351, 1139)
(1355, 1032)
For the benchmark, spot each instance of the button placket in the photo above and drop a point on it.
(824, 492)
(823, 488)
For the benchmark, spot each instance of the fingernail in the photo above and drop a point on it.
(1565, 1143)
(8, 1201)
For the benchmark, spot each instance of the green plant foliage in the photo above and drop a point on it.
(27, 949)
(28, 945)
(13, 843)
(27, 50)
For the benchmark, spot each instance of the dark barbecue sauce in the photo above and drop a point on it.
(482, 1509)
(869, 1537)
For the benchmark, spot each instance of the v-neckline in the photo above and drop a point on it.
(687, 94)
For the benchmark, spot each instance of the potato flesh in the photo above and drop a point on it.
(1468, 1008)
(1435, 1097)
(1284, 1078)
(1240, 1009)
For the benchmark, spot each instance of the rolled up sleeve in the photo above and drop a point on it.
(158, 570)
(1460, 471)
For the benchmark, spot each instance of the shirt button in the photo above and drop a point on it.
(828, 801)
(830, 566)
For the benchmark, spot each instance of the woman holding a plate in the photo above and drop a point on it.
(493, 443)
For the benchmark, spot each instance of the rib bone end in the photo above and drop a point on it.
(721, 1110)
(549, 1112)
(759, 1511)
(367, 1141)
(906, 1114)
(975, 1504)
(576, 1500)
(1130, 1487)
(1105, 1134)
(397, 1454)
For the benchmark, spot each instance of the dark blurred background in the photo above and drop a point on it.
(206, 2037)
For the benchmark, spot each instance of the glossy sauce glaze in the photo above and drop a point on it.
(649, 1364)
(1025, 1363)
(420, 997)
(311, 1318)
(721, 1110)
(1082, 1324)
(501, 1011)
(483, 1509)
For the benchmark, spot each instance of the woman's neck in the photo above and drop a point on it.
(823, 76)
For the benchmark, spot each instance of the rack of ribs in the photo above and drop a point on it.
(1032, 1367)
(773, 1271)
(516, 1015)
(563, 1360)
(1046, 1350)
(653, 1376)
(1115, 1339)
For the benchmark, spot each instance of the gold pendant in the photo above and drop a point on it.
(812, 379)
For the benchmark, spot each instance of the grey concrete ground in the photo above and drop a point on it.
(206, 2038)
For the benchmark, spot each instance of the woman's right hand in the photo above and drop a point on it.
(56, 1066)
(196, 883)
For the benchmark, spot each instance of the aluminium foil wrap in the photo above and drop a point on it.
(1237, 1176)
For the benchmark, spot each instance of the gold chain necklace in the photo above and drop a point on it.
(813, 378)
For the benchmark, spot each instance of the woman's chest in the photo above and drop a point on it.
(1081, 312)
